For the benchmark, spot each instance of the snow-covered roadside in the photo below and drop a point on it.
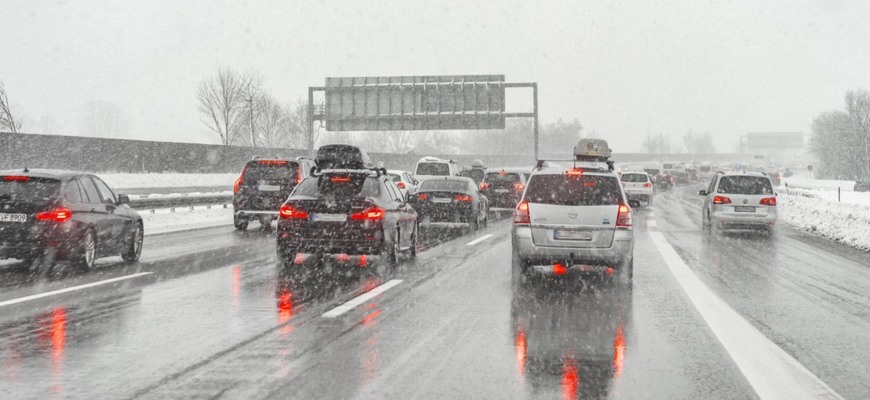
(164, 221)
(168, 180)
(840, 222)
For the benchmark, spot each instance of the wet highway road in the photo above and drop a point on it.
(210, 315)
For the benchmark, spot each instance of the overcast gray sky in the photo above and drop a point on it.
(620, 67)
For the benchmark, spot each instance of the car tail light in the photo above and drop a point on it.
(273, 162)
(647, 185)
(373, 213)
(519, 186)
(289, 212)
(484, 186)
(574, 172)
(521, 214)
(400, 185)
(60, 214)
(339, 179)
(768, 201)
(299, 175)
(237, 185)
(623, 216)
(13, 178)
(463, 197)
(422, 196)
(721, 200)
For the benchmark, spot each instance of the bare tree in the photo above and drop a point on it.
(104, 119)
(7, 120)
(252, 94)
(222, 104)
(299, 123)
(272, 122)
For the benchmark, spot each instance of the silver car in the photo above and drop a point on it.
(573, 220)
(739, 202)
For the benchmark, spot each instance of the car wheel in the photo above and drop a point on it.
(134, 249)
(87, 254)
(390, 252)
(413, 250)
(265, 222)
(474, 222)
(241, 223)
(626, 273)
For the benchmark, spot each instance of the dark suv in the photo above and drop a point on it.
(349, 217)
(503, 188)
(263, 186)
(57, 215)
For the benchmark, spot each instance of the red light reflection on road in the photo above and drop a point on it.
(570, 379)
(237, 278)
(618, 352)
(520, 349)
(285, 311)
(52, 328)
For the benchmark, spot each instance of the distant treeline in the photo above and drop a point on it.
(841, 138)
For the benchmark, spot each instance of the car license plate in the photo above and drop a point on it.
(329, 217)
(572, 235)
(744, 209)
(501, 190)
(6, 217)
(270, 188)
(441, 200)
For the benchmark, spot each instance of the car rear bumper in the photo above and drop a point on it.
(729, 222)
(619, 252)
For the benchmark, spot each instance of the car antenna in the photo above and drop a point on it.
(26, 170)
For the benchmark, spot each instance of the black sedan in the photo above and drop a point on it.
(503, 188)
(57, 215)
(348, 218)
(450, 200)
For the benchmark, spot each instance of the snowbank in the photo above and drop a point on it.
(164, 221)
(842, 222)
(123, 181)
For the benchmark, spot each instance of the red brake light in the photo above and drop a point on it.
(289, 212)
(623, 217)
(721, 200)
(463, 197)
(60, 214)
(484, 186)
(422, 196)
(13, 178)
(768, 201)
(340, 179)
(400, 185)
(646, 185)
(519, 186)
(521, 215)
(237, 185)
(574, 172)
(299, 175)
(369, 214)
(272, 162)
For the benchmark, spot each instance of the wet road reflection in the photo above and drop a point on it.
(570, 337)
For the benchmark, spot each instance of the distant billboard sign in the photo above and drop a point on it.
(415, 103)
(775, 141)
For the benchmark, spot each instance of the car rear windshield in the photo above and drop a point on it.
(634, 178)
(433, 168)
(705, 169)
(503, 177)
(745, 185)
(272, 171)
(652, 171)
(668, 166)
(28, 188)
(444, 185)
(338, 186)
(568, 190)
(394, 177)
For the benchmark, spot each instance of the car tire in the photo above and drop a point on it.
(474, 222)
(240, 223)
(413, 250)
(265, 222)
(134, 248)
(519, 270)
(87, 250)
(390, 252)
(626, 274)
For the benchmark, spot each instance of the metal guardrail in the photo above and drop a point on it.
(180, 201)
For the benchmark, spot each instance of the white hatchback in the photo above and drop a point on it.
(638, 186)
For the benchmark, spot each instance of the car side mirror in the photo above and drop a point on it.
(634, 203)
(123, 199)
(410, 199)
(702, 192)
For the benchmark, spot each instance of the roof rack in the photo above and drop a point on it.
(579, 162)
(315, 171)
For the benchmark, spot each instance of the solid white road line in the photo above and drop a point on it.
(71, 289)
(769, 369)
(337, 311)
(478, 240)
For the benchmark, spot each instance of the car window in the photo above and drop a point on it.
(634, 178)
(106, 195)
(444, 185)
(90, 190)
(73, 191)
(433, 168)
(346, 186)
(270, 170)
(503, 177)
(30, 188)
(712, 185)
(750, 185)
(392, 191)
(568, 190)
(395, 177)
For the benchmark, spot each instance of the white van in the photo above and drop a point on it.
(431, 167)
